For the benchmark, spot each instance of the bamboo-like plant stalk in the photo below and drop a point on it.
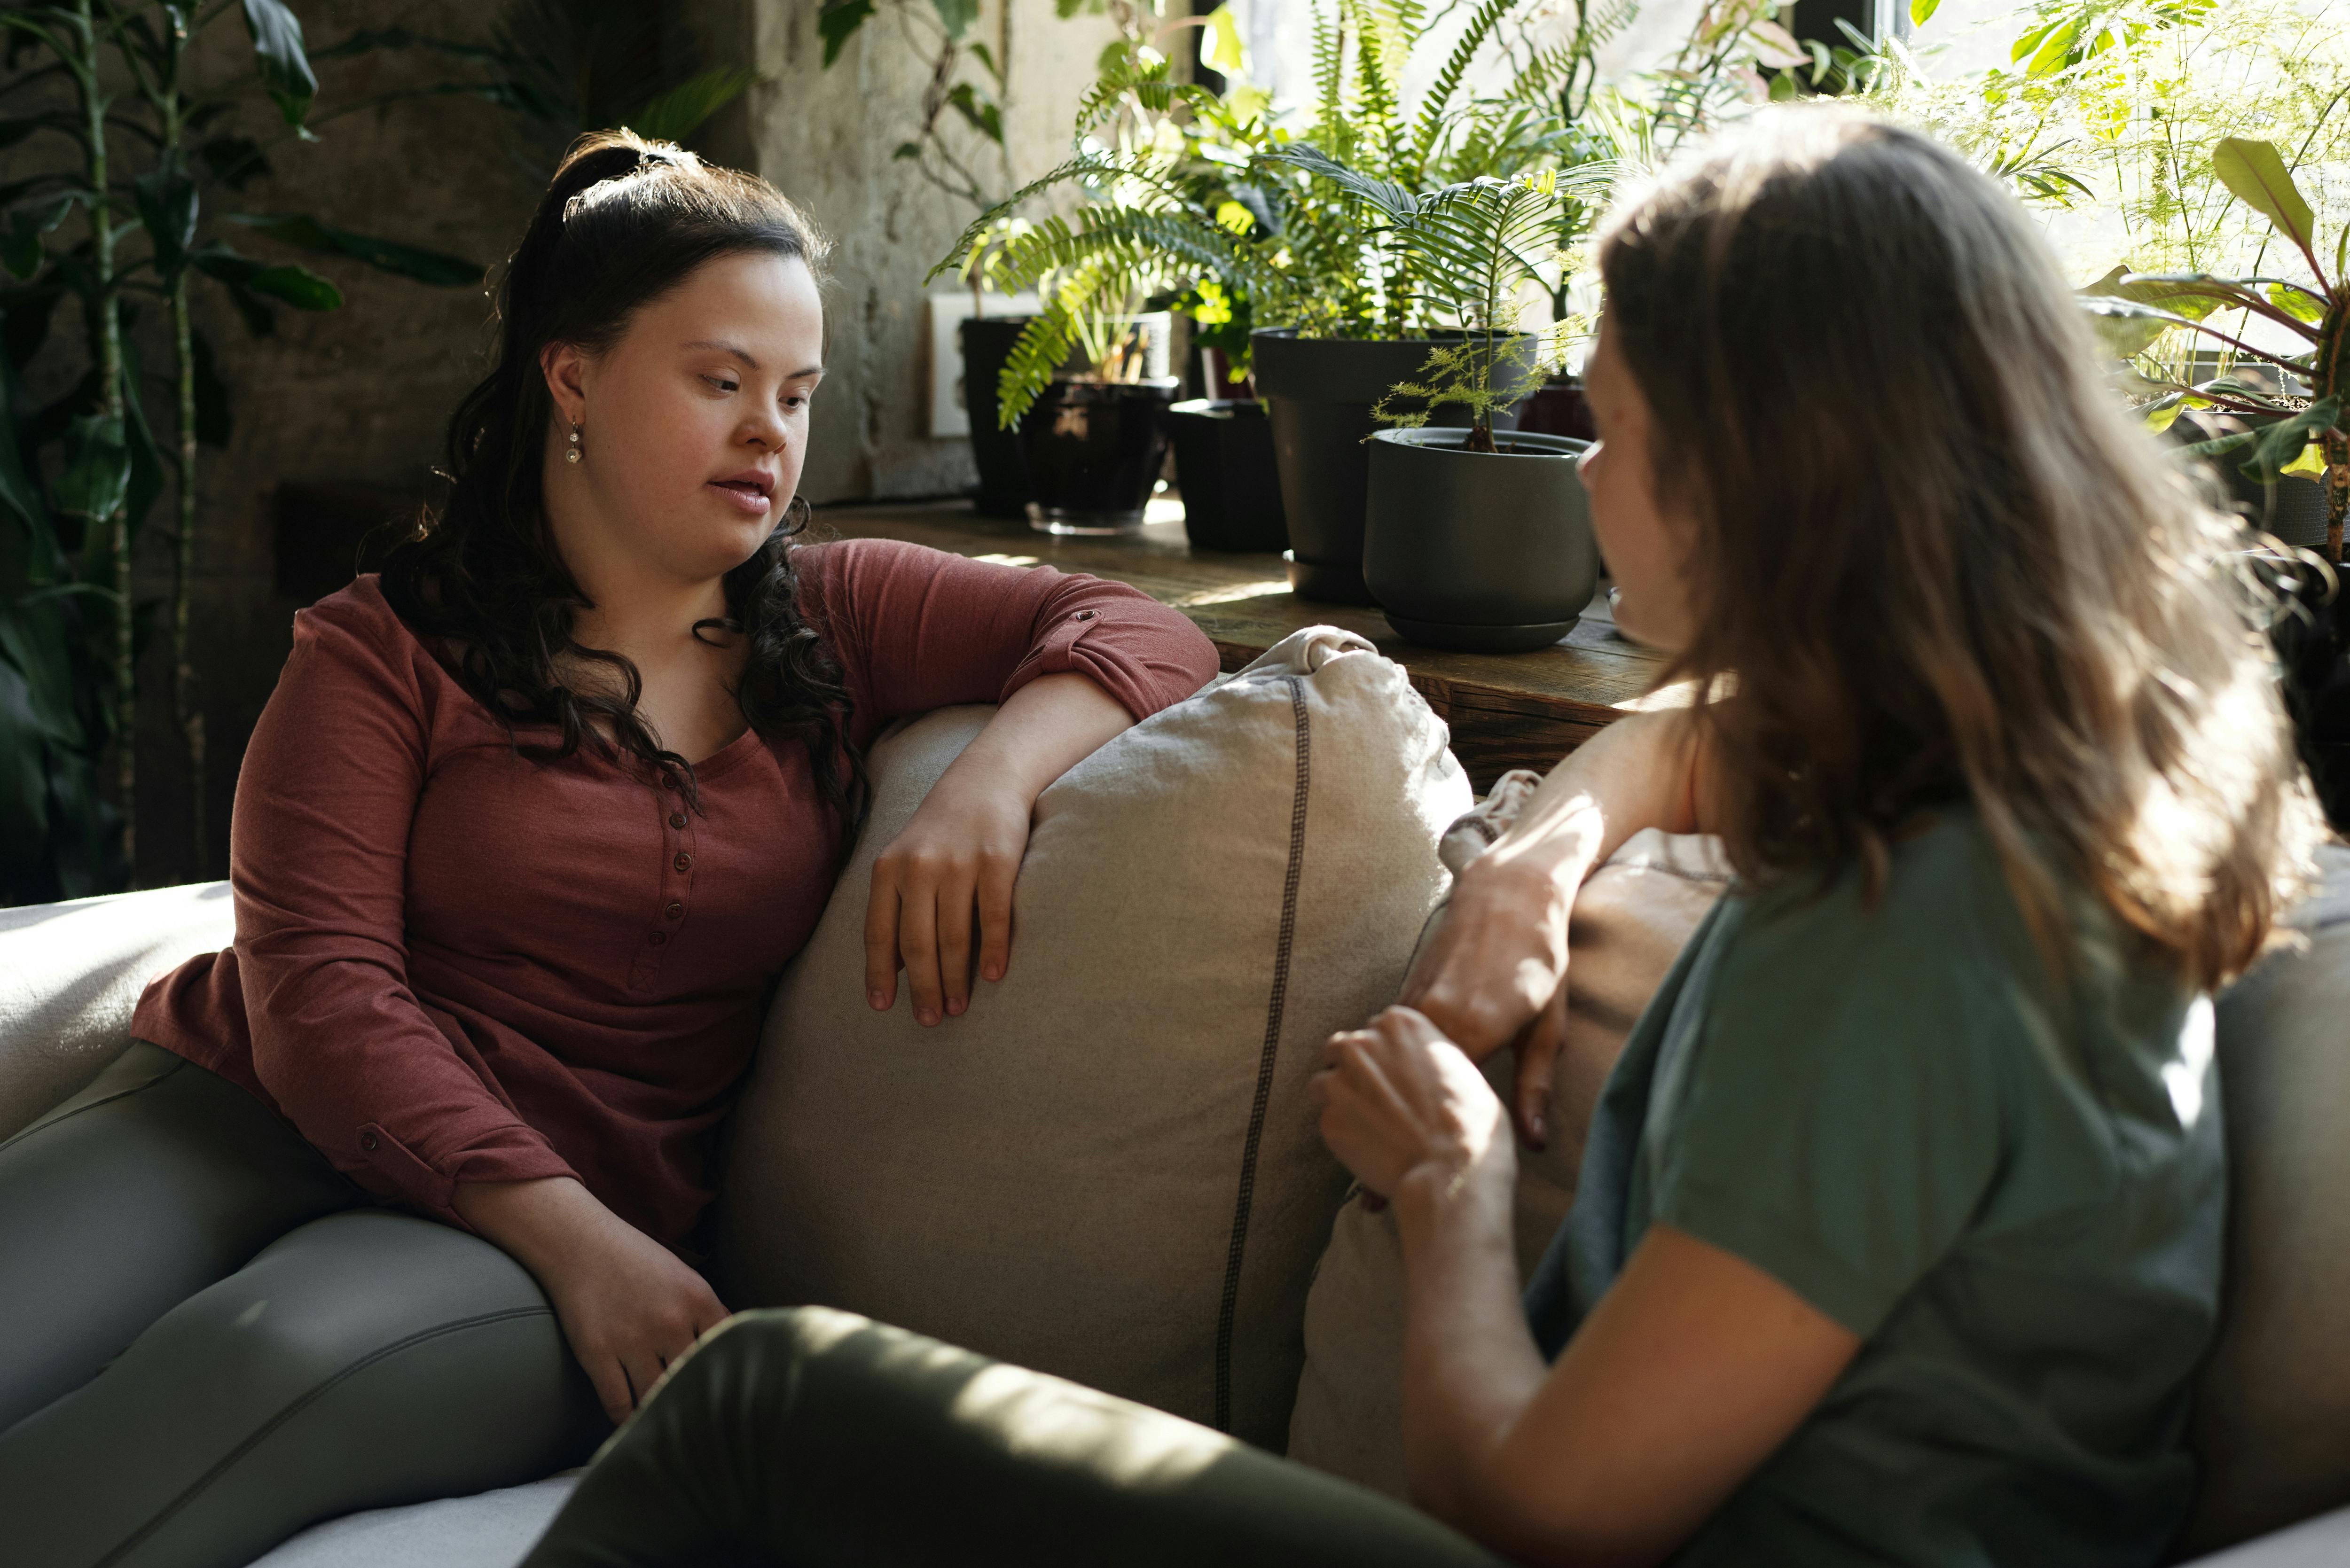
(170, 107)
(109, 331)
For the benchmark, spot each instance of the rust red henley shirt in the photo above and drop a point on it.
(452, 964)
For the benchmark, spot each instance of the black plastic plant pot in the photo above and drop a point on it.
(1319, 392)
(1092, 451)
(987, 342)
(1223, 465)
(1557, 409)
(1479, 551)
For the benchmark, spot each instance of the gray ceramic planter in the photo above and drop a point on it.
(1481, 552)
(1319, 392)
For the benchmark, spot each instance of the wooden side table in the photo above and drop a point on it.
(1506, 711)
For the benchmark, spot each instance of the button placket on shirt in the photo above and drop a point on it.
(677, 842)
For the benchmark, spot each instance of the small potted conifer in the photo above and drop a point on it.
(1476, 539)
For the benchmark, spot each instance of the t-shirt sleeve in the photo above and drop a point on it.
(917, 628)
(1841, 1120)
(318, 860)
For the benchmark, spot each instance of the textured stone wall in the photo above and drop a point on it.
(827, 137)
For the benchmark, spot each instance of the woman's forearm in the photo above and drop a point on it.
(1041, 730)
(1639, 772)
(1470, 1365)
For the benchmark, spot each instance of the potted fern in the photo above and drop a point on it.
(1477, 537)
(1202, 200)
(1359, 179)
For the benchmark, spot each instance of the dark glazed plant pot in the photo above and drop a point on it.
(1480, 552)
(1319, 391)
(1092, 451)
(1557, 409)
(1224, 464)
(987, 342)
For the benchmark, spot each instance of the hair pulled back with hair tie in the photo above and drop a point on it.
(623, 221)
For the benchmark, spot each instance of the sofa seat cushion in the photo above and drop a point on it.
(1108, 1168)
(491, 1530)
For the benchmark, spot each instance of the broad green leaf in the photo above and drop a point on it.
(2054, 51)
(838, 22)
(1922, 11)
(956, 16)
(285, 70)
(297, 286)
(1219, 46)
(2255, 172)
(2126, 328)
(97, 469)
(982, 117)
(908, 149)
(677, 113)
(167, 207)
(424, 266)
(2310, 464)
(2161, 416)
(2282, 442)
(20, 250)
(2297, 302)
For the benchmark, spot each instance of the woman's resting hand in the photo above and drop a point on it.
(1400, 1104)
(959, 854)
(1494, 974)
(628, 1306)
(958, 858)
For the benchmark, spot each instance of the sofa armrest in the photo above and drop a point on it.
(71, 973)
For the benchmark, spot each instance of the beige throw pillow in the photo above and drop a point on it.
(1108, 1170)
(1630, 921)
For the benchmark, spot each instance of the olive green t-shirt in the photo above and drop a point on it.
(2011, 1192)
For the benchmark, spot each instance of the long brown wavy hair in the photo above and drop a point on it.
(1936, 559)
(623, 221)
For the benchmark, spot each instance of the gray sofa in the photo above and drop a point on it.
(2273, 1420)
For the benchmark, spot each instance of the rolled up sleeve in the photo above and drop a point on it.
(917, 628)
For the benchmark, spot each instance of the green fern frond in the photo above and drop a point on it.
(1436, 105)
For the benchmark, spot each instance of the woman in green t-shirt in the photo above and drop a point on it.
(1898, 1236)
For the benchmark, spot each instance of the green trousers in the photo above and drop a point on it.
(813, 1438)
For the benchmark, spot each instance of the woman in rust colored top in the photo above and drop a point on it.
(397, 1196)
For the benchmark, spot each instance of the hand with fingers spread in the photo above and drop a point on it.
(941, 900)
(628, 1306)
(1400, 1104)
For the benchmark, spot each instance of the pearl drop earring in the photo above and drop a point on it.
(573, 455)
